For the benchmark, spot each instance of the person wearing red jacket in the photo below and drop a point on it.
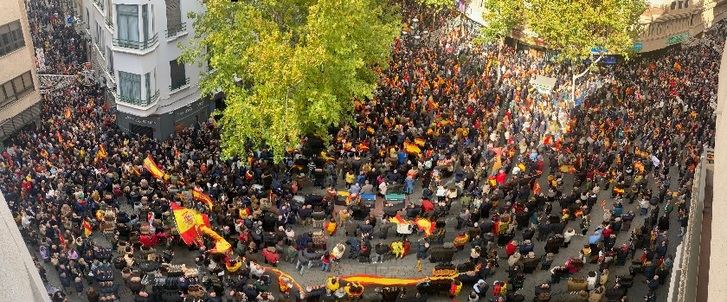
(511, 248)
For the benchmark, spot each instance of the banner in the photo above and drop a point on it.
(543, 84)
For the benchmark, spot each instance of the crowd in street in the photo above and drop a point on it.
(456, 121)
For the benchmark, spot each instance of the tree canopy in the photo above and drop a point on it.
(573, 27)
(437, 4)
(289, 68)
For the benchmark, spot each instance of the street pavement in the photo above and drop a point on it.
(407, 267)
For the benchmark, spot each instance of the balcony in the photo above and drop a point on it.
(176, 31)
(137, 102)
(175, 87)
(142, 46)
(109, 23)
(99, 5)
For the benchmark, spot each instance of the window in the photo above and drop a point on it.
(129, 86)
(128, 22)
(16, 88)
(11, 37)
(147, 84)
(177, 74)
(174, 18)
(145, 20)
(110, 55)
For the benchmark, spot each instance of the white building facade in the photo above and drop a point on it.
(135, 49)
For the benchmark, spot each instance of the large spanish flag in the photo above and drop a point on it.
(152, 167)
(202, 197)
(188, 221)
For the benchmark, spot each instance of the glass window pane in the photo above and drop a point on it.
(18, 84)
(28, 80)
(9, 91)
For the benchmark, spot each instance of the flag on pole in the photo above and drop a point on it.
(86, 228)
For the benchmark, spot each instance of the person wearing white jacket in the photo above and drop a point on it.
(567, 236)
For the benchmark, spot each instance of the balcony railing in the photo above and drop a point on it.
(139, 45)
(109, 23)
(176, 30)
(178, 86)
(99, 4)
(138, 102)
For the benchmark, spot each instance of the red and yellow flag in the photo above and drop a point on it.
(203, 198)
(101, 153)
(397, 219)
(188, 221)
(86, 228)
(426, 225)
(152, 167)
(67, 113)
(412, 148)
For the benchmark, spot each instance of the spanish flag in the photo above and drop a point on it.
(426, 225)
(397, 219)
(412, 148)
(152, 167)
(419, 141)
(244, 213)
(86, 228)
(101, 153)
(200, 196)
(221, 245)
(188, 221)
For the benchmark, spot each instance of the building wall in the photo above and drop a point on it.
(18, 275)
(718, 246)
(15, 64)
(669, 22)
(161, 114)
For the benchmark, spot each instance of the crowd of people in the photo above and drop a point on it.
(456, 121)
(64, 50)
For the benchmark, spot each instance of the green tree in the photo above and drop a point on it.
(572, 27)
(437, 4)
(289, 68)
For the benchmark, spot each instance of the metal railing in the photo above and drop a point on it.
(178, 86)
(137, 102)
(110, 22)
(176, 30)
(138, 45)
(99, 4)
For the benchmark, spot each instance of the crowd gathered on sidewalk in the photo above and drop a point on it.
(459, 122)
